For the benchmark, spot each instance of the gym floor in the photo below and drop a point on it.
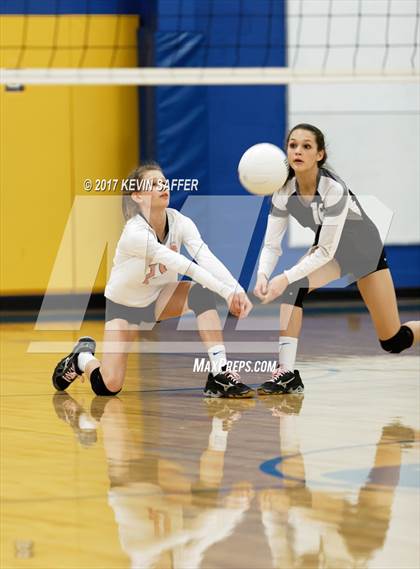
(161, 477)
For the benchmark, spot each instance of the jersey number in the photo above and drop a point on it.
(162, 268)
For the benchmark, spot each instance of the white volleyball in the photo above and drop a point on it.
(263, 169)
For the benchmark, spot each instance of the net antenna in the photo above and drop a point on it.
(325, 41)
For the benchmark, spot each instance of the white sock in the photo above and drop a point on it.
(217, 356)
(218, 437)
(83, 358)
(287, 352)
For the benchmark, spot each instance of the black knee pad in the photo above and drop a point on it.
(98, 384)
(201, 299)
(296, 292)
(402, 340)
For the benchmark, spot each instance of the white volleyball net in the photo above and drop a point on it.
(318, 41)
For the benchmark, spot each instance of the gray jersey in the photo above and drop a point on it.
(326, 214)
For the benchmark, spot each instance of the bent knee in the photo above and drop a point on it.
(114, 384)
(106, 383)
(201, 299)
(113, 380)
(402, 340)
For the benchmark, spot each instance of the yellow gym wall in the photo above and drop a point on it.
(53, 138)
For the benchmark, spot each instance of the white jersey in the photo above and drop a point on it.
(332, 205)
(151, 525)
(143, 266)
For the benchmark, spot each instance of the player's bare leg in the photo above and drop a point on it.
(286, 379)
(378, 293)
(118, 336)
(174, 301)
(107, 376)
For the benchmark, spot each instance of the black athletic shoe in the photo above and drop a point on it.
(227, 384)
(67, 370)
(282, 381)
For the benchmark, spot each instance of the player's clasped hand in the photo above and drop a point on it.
(239, 304)
(268, 291)
(261, 286)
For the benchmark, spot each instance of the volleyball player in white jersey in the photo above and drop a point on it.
(346, 242)
(144, 287)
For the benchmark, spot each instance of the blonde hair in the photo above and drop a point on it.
(129, 207)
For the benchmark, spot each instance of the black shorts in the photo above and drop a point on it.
(132, 314)
(361, 250)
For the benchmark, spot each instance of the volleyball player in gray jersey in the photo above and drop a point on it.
(144, 287)
(347, 242)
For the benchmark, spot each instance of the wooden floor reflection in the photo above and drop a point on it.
(161, 478)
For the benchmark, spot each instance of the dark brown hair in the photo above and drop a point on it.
(319, 139)
(129, 207)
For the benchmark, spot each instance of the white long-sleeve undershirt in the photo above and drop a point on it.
(336, 206)
(276, 228)
(132, 283)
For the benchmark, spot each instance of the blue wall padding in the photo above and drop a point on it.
(148, 10)
(181, 115)
(238, 118)
(404, 261)
(69, 7)
(146, 98)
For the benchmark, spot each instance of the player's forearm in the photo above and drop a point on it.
(276, 228)
(308, 265)
(206, 259)
(268, 260)
(207, 280)
(184, 266)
